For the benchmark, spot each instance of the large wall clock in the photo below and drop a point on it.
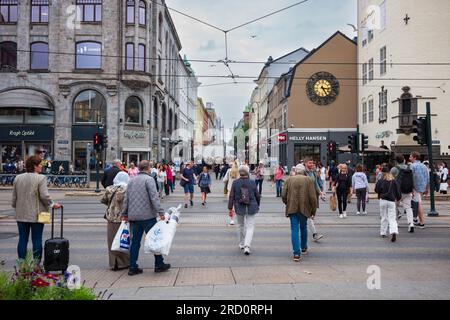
(322, 88)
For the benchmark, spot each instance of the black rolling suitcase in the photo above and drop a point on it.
(56, 250)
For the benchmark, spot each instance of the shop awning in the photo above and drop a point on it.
(25, 98)
(371, 149)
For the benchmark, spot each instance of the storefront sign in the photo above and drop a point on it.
(63, 141)
(383, 134)
(26, 133)
(281, 138)
(308, 138)
(134, 134)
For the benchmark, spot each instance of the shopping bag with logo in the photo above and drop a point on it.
(122, 239)
(333, 204)
(159, 239)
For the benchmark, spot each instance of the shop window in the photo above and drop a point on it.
(89, 108)
(11, 153)
(39, 116)
(303, 151)
(133, 111)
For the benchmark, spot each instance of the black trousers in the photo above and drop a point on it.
(361, 198)
(342, 200)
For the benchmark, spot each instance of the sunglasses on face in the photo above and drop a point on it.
(41, 151)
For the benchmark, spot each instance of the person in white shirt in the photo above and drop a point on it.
(161, 178)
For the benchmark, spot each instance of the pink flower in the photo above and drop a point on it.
(39, 283)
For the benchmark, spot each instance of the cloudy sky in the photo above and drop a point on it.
(306, 25)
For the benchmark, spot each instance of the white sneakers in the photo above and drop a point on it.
(358, 213)
(231, 222)
(365, 213)
(246, 251)
(241, 246)
(345, 214)
(341, 216)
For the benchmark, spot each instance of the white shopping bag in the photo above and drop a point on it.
(122, 241)
(159, 239)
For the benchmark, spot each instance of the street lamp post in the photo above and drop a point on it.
(257, 133)
(97, 169)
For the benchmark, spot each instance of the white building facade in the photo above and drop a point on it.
(398, 42)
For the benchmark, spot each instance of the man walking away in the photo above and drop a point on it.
(259, 176)
(299, 195)
(421, 182)
(404, 177)
(309, 171)
(109, 175)
(141, 207)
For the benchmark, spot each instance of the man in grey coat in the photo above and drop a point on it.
(141, 208)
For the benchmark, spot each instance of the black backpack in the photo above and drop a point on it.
(245, 195)
(405, 180)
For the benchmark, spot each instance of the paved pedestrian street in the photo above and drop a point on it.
(207, 263)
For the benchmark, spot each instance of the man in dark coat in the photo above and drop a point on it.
(109, 175)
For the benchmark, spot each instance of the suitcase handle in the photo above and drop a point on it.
(53, 220)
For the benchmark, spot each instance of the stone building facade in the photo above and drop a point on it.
(74, 68)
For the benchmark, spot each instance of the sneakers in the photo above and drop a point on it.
(416, 221)
(365, 213)
(134, 272)
(358, 213)
(393, 237)
(297, 258)
(162, 268)
(185, 205)
(192, 203)
(383, 235)
(203, 204)
(421, 225)
(345, 214)
(231, 222)
(241, 246)
(304, 251)
(411, 228)
(317, 237)
(341, 216)
(246, 251)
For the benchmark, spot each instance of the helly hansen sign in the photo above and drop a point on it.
(308, 138)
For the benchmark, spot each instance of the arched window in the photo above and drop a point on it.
(89, 55)
(8, 11)
(89, 107)
(142, 13)
(39, 11)
(130, 11)
(8, 56)
(39, 56)
(133, 111)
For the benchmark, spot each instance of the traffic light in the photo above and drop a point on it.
(364, 142)
(330, 147)
(352, 143)
(420, 127)
(98, 142)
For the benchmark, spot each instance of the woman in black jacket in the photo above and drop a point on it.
(342, 187)
(388, 192)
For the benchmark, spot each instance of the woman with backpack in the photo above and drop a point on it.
(388, 192)
(342, 187)
(231, 175)
(245, 199)
(360, 187)
(204, 182)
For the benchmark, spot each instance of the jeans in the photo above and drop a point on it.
(246, 228)
(299, 220)
(36, 238)
(259, 183)
(138, 228)
(388, 217)
(342, 201)
(279, 187)
(361, 197)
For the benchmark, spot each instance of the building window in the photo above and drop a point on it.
(129, 63)
(170, 121)
(39, 56)
(383, 106)
(89, 55)
(142, 13)
(133, 111)
(89, 108)
(130, 11)
(39, 11)
(160, 27)
(364, 113)
(163, 118)
(89, 10)
(160, 70)
(370, 35)
(364, 67)
(141, 58)
(8, 11)
(383, 15)
(383, 61)
(155, 114)
(8, 56)
(370, 69)
(371, 110)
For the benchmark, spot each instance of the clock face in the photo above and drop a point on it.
(322, 88)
